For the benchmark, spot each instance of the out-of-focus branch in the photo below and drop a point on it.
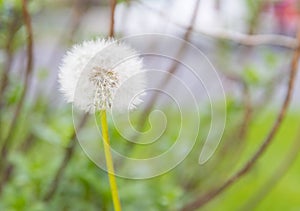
(7, 68)
(246, 98)
(13, 27)
(280, 172)
(28, 71)
(4, 83)
(69, 151)
(247, 113)
(269, 92)
(9, 167)
(79, 9)
(252, 40)
(204, 199)
(171, 70)
(113, 4)
(244, 39)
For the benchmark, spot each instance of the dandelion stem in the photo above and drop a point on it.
(109, 162)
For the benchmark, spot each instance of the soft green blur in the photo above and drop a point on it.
(45, 126)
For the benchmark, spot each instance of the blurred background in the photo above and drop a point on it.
(250, 44)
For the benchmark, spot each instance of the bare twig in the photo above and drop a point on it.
(171, 70)
(113, 4)
(280, 172)
(203, 200)
(7, 68)
(13, 27)
(28, 71)
(246, 98)
(9, 167)
(244, 39)
(69, 151)
(79, 8)
(252, 40)
(247, 113)
(4, 83)
(254, 18)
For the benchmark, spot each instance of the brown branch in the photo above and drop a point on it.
(7, 68)
(113, 4)
(251, 40)
(9, 168)
(4, 83)
(12, 30)
(243, 39)
(280, 172)
(69, 151)
(79, 9)
(28, 71)
(9, 54)
(247, 113)
(203, 200)
(269, 92)
(173, 68)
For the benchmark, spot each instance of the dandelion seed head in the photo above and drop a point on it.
(105, 82)
(92, 72)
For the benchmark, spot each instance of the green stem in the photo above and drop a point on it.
(109, 162)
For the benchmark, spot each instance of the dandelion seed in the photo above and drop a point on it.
(93, 71)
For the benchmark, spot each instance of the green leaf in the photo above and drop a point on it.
(271, 60)
(251, 75)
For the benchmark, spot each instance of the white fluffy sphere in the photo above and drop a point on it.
(92, 72)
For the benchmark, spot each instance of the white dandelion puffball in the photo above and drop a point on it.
(92, 72)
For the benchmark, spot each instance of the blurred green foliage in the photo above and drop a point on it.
(45, 128)
(85, 186)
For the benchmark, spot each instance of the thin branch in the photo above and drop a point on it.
(12, 30)
(243, 39)
(9, 54)
(247, 102)
(10, 167)
(7, 68)
(4, 84)
(247, 113)
(203, 200)
(173, 68)
(79, 8)
(113, 4)
(28, 71)
(269, 92)
(69, 151)
(282, 169)
(252, 40)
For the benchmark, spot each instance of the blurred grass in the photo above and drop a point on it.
(285, 194)
(85, 187)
